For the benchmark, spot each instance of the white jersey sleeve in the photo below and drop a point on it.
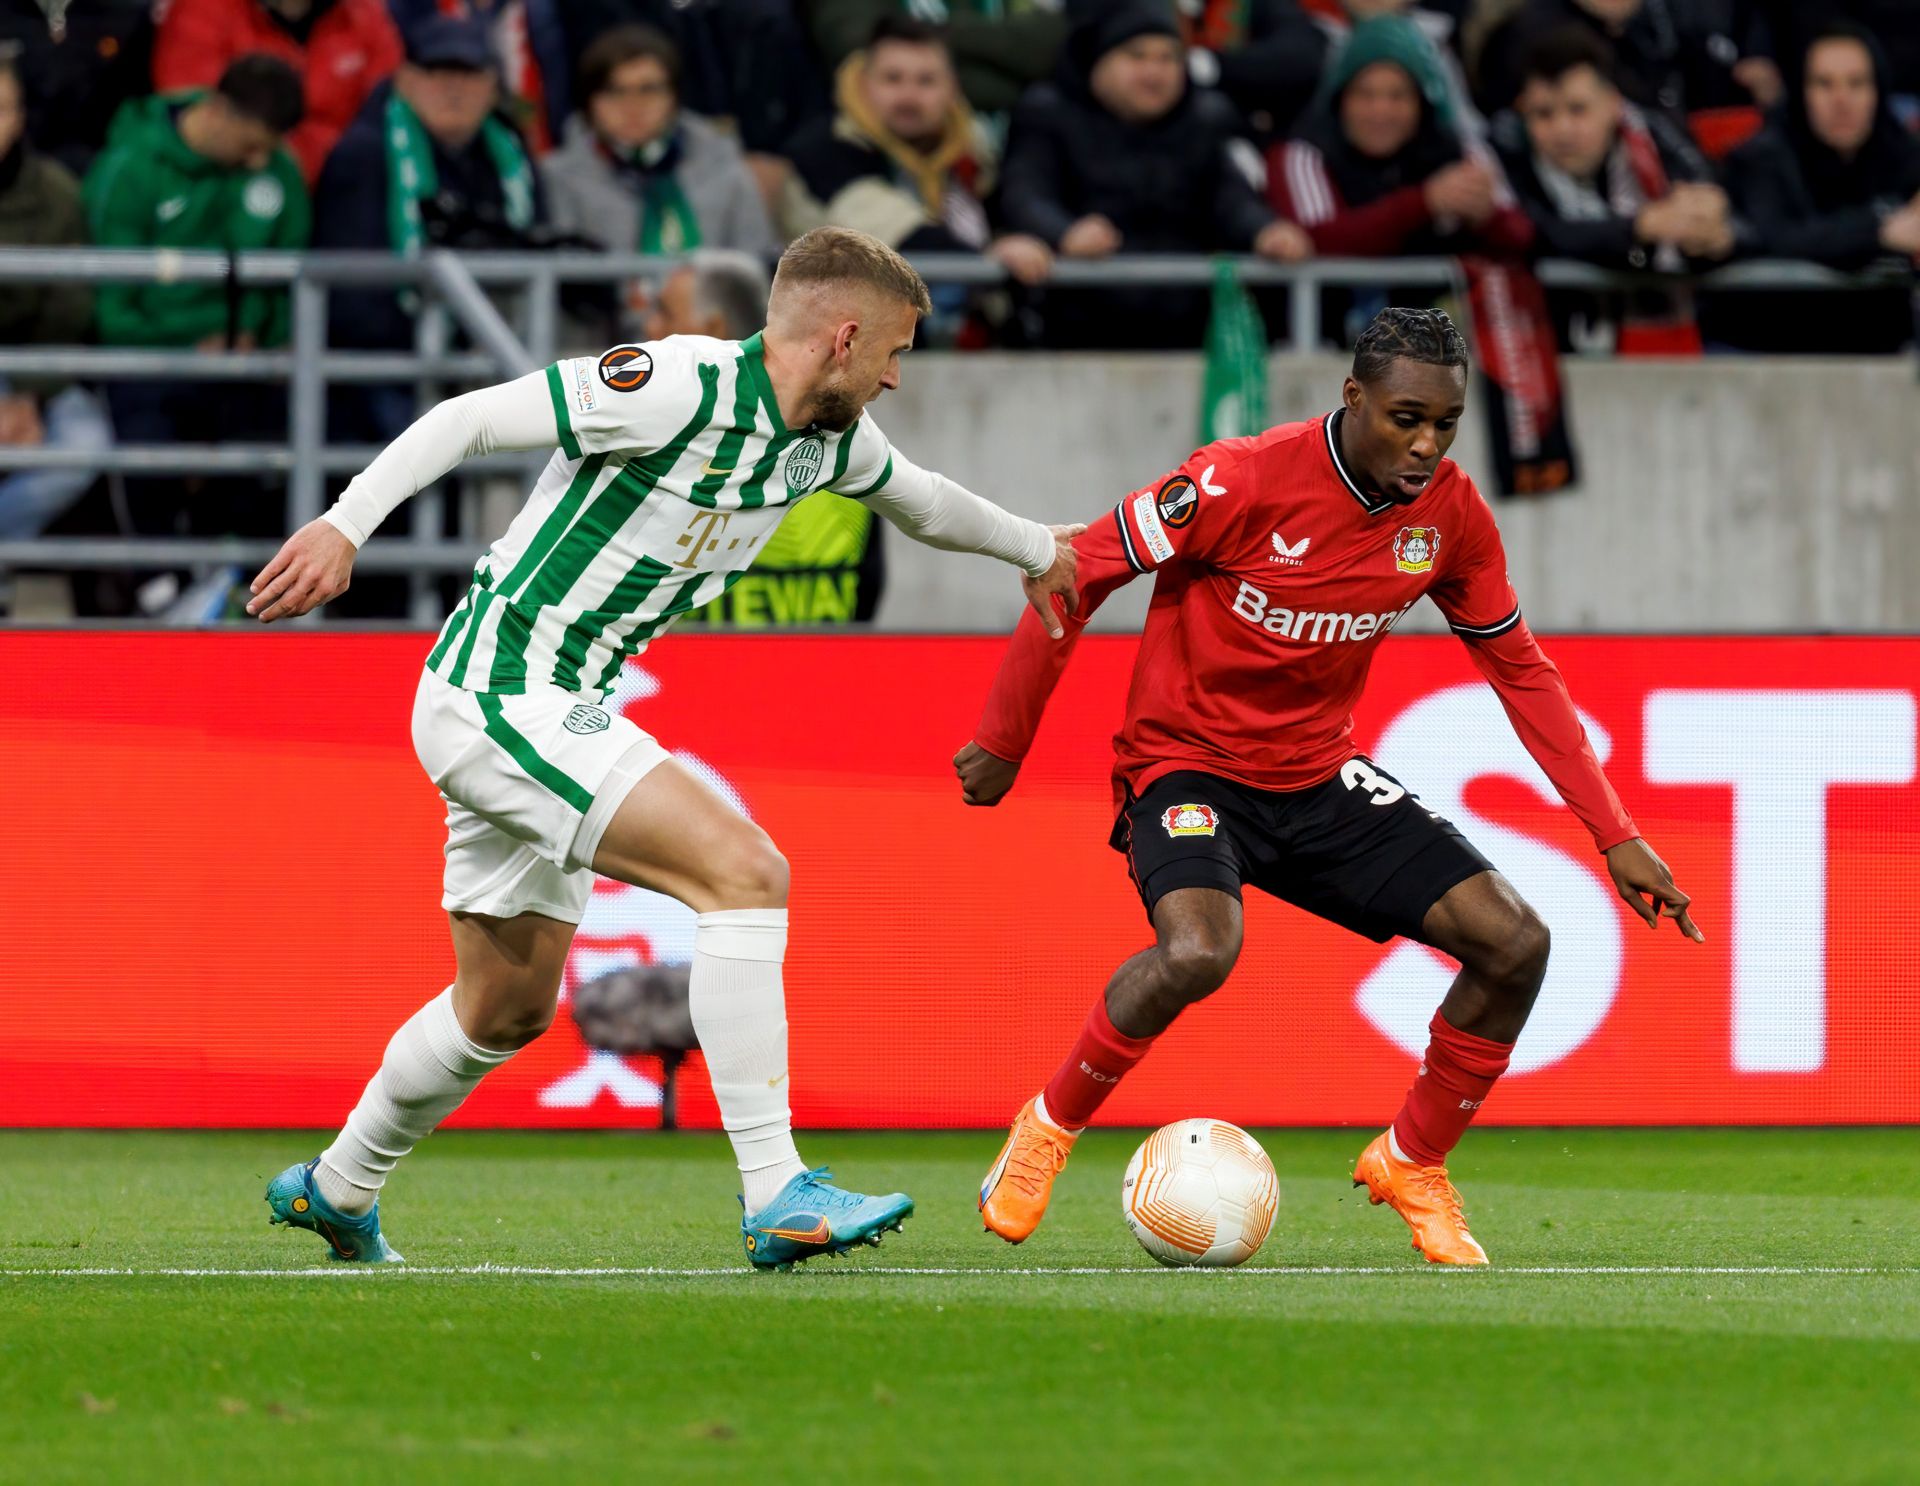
(932, 509)
(512, 415)
(632, 397)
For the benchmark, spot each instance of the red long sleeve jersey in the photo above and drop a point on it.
(1275, 578)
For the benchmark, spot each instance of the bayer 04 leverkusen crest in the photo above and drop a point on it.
(1415, 547)
(1190, 820)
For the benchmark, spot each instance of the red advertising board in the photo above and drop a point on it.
(220, 882)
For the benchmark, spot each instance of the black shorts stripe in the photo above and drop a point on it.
(1487, 631)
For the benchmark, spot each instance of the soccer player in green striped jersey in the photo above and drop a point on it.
(676, 460)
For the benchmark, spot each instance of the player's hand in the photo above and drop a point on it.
(985, 777)
(313, 566)
(1062, 578)
(1643, 880)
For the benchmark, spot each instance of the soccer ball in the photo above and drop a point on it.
(1200, 1192)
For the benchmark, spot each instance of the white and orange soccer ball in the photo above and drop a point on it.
(1200, 1192)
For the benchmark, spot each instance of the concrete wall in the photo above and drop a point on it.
(1758, 494)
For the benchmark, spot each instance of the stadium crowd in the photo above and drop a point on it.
(1665, 136)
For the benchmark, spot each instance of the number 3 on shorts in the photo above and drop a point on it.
(1357, 773)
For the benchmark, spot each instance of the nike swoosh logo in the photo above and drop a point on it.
(326, 1231)
(708, 469)
(819, 1233)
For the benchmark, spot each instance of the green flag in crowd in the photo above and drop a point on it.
(1233, 393)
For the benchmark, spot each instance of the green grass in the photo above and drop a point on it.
(865, 1370)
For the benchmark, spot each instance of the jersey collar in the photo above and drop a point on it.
(1373, 505)
(753, 351)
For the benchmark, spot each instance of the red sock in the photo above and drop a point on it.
(1458, 1071)
(1098, 1060)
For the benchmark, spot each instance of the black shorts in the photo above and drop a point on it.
(1359, 850)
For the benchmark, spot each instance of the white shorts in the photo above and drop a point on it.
(530, 782)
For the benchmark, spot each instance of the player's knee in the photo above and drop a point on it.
(1516, 963)
(1198, 962)
(512, 1022)
(750, 874)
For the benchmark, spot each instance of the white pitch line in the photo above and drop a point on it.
(1302, 1271)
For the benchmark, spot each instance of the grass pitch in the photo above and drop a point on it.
(1666, 1306)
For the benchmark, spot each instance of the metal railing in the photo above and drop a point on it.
(453, 290)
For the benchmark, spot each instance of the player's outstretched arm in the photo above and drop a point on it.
(316, 562)
(1036, 658)
(942, 513)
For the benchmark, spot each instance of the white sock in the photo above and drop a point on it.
(740, 1016)
(1040, 1114)
(430, 1067)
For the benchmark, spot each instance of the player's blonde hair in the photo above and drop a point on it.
(842, 256)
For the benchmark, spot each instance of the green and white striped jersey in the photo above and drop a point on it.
(673, 470)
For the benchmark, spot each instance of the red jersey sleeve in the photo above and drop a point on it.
(1035, 661)
(1181, 515)
(1479, 603)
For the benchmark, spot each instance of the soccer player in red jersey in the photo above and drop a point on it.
(1280, 562)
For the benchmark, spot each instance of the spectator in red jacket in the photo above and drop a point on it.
(1377, 169)
(342, 49)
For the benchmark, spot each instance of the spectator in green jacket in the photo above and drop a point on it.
(40, 208)
(207, 170)
(201, 170)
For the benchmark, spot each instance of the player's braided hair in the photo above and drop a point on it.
(1399, 334)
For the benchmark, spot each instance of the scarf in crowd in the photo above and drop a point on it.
(1657, 322)
(668, 223)
(1519, 358)
(930, 172)
(1633, 177)
(412, 177)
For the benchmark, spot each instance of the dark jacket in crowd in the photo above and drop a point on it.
(747, 61)
(1594, 220)
(1674, 55)
(1170, 186)
(999, 47)
(1805, 201)
(40, 207)
(1896, 24)
(77, 74)
(351, 211)
(1352, 204)
(1267, 54)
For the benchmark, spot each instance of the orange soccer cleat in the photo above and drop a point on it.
(1013, 1198)
(1425, 1198)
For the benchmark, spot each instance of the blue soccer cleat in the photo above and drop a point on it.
(809, 1218)
(294, 1198)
